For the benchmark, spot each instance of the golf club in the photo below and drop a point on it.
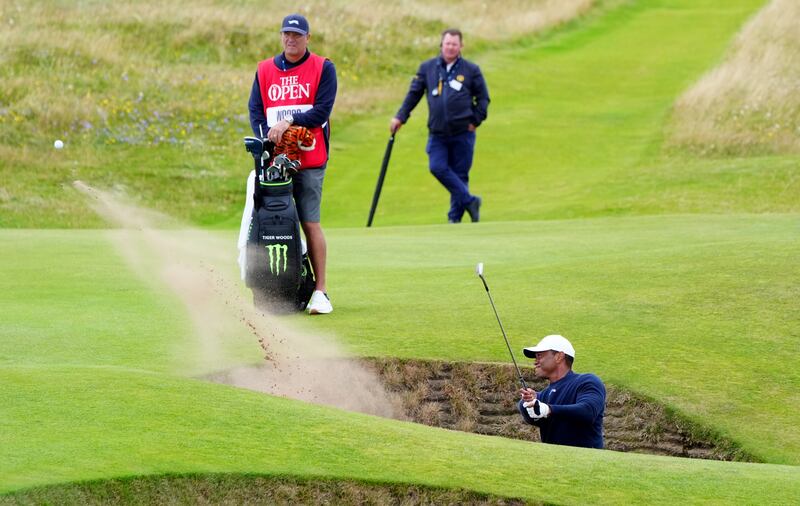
(479, 272)
(386, 155)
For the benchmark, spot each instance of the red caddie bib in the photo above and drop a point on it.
(292, 91)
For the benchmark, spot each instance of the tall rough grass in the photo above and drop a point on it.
(147, 73)
(751, 102)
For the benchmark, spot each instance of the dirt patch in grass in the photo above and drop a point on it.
(481, 398)
(245, 489)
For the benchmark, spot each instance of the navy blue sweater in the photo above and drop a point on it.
(450, 110)
(315, 117)
(577, 405)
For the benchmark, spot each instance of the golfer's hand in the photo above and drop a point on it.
(527, 394)
(544, 410)
(275, 133)
(472, 127)
(394, 125)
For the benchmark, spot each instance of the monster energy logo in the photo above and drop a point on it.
(276, 251)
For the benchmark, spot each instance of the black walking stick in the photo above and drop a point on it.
(381, 177)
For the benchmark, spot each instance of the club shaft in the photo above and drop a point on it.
(491, 301)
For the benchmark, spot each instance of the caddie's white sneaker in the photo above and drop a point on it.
(319, 303)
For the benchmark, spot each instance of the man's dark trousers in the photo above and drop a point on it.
(449, 160)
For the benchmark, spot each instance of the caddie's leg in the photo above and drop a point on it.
(308, 198)
(438, 163)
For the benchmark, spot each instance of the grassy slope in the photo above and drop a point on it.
(100, 423)
(748, 104)
(574, 129)
(144, 92)
(696, 311)
(585, 119)
(119, 410)
(75, 304)
(123, 409)
(246, 488)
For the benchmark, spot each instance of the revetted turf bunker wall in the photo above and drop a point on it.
(481, 398)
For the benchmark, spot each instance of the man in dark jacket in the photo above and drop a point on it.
(457, 104)
(570, 410)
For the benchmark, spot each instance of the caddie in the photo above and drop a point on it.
(298, 87)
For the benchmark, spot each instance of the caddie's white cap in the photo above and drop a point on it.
(553, 342)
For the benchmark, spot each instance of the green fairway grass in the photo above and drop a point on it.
(675, 275)
(113, 423)
(649, 303)
(574, 130)
(244, 488)
(65, 298)
(698, 311)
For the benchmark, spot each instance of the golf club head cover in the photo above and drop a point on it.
(254, 146)
(530, 407)
(295, 139)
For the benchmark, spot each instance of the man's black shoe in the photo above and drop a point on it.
(474, 209)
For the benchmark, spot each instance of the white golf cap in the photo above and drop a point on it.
(553, 342)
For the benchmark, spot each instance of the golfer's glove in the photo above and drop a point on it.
(544, 410)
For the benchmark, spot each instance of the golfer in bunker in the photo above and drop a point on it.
(570, 410)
